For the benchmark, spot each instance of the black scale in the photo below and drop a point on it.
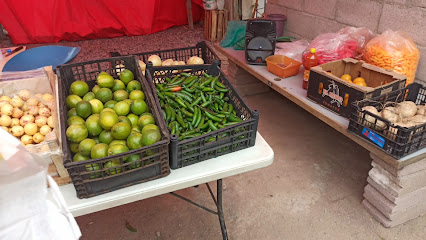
(260, 41)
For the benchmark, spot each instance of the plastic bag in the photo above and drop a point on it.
(361, 35)
(394, 50)
(28, 214)
(234, 33)
(292, 50)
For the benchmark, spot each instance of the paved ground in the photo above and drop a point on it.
(313, 190)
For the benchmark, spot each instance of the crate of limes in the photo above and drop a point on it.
(112, 132)
(204, 114)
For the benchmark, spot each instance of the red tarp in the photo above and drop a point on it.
(47, 21)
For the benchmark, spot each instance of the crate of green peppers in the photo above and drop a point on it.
(204, 114)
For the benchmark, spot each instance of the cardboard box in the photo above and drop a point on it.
(327, 89)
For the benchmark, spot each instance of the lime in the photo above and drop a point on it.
(71, 112)
(145, 120)
(120, 95)
(95, 89)
(84, 109)
(128, 101)
(146, 113)
(89, 96)
(136, 129)
(105, 137)
(93, 167)
(97, 106)
(122, 108)
(117, 149)
(118, 85)
(136, 94)
(134, 141)
(85, 146)
(108, 119)
(77, 133)
(80, 157)
(104, 94)
(93, 126)
(105, 80)
(74, 147)
(96, 139)
(133, 118)
(110, 104)
(112, 171)
(72, 101)
(150, 126)
(126, 76)
(134, 158)
(75, 120)
(100, 150)
(107, 110)
(79, 88)
(121, 130)
(138, 107)
(122, 142)
(124, 119)
(134, 85)
(150, 136)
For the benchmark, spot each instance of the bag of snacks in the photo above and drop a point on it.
(393, 50)
(361, 35)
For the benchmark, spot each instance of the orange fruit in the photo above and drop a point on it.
(360, 81)
(346, 77)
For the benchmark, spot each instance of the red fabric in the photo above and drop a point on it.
(29, 21)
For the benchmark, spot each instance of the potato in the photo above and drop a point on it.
(24, 94)
(38, 138)
(33, 110)
(40, 120)
(195, 60)
(167, 62)
(407, 109)
(30, 129)
(26, 119)
(24, 107)
(17, 112)
(47, 97)
(32, 102)
(15, 122)
(44, 130)
(50, 122)
(17, 131)
(5, 128)
(25, 139)
(44, 111)
(5, 121)
(7, 109)
(40, 105)
(5, 98)
(16, 102)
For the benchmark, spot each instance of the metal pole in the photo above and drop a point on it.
(220, 210)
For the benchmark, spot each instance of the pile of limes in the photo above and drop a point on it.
(111, 119)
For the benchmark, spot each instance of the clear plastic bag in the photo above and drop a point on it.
(292, 50)
(394, 50)
(361, 35)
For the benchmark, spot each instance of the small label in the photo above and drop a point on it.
(374, 137)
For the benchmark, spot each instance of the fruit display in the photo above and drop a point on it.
(194, 105)
(27, 116)
(109, 119)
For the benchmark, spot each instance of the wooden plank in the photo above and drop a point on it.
(333, 120)
(214, 26)
(189, 12)
(57, 160)
(220, 19)
(61, 180)
(225, 25)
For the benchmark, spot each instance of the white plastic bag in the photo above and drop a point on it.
(26, 212)
(292, 50)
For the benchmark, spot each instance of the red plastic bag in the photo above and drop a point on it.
(361, 35)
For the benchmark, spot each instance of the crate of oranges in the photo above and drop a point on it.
(336, 85)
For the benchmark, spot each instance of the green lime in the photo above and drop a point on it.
(105, 80)
(136, 129)
(138, 107)
(150, 126)
(107, 119)
(122, 108)
(128, 101)
(93, 126)
(133, 118)
(112, 164)
(145, 120)
(150, 136)
(71, 112)
(120, 95)
(97, 106)
(79, 88)
(95, 89)
(104, 94)
(100, 150)
(110, 104)
(89, 96)
(74, 147)
(85, 146)
(107, 110)
(134, 85)
(75, 120)
(77, 133)
(72, 101)
(80, 157)
(121, 130)
(96, 138)
(134, 158)
(146, 113)
(124, 119)
(93, 167)
(122, 142)
(126, 76)
(118, 85)
(117, 149)
(84, 109)
(134, 141)
(105, 137)
(136, 94)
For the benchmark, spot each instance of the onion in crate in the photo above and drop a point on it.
(370, 121)
(407, 109)
(391, 114)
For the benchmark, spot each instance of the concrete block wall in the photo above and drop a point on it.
(308, 18)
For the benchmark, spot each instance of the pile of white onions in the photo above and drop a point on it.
(156, 61)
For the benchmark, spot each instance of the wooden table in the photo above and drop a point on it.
(291, 88)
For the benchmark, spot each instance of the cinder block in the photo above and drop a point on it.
(384, 181)
(419, 3)
(294, 4)
(273, 8)
(381, 189)
(362, 13)
(421, 69)
(395, 17)
(407, 170)
(378, 215)
(252, 88)
(323, 8)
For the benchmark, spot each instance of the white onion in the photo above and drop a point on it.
(407, 109)
(155, 59)
(167, 62)
(194, 60)
(391, 114)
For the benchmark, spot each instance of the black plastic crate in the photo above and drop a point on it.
(154, 159)
(201, 49)
(238, 136)
(395, 140)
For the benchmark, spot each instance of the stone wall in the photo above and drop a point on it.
(309, 18)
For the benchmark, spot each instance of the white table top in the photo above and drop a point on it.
(259, 156)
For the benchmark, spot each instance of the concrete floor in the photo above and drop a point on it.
(313, 190)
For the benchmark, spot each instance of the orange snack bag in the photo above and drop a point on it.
(394, 50)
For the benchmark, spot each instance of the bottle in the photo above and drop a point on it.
(309, 61)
